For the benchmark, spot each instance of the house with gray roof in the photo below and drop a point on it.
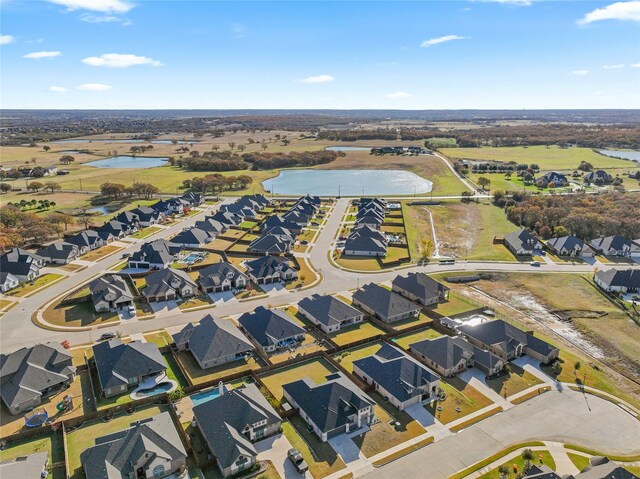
(569, 246)
(420, 288)
(598, 177)
(192, 238)
(364, 240)
(271, 244)
(8, 281)
(523, 243)
(150, 448)
(270, 269)
(211, 226)
(87, 240)
(618, 280)
(129, 218)
(122, 365)
(330, 408)
(329, 313)
(616, 246)
(22, 264)
(33, 466)
(213, 342)
(552, 177)
(271, 329)
(507, 341)
(384, 304)
(147, 216)
(450, 356)
(59, 252)
(167, 285)
(29, 375)
(110, 293)
(158, 254)
(598, 468)
(117, 229)
(227, 218)
(397, 376)
(232, 422)
(275, 220)
(220, 277)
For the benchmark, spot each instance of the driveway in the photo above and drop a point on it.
(275, 449)
(164, 307)
(567, 417)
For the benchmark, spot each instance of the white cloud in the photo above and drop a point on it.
(120, 60)
(94, 87)
(91, 18)
(57, 89)
(398, 94)
(580, 73)
(104, 6)
(615, 11)
(436, 41)
(635, 65)
(318, 79)
(39, 55)
(6, 39)
(617, 66)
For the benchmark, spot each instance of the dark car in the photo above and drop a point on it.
(106, 336)
(297, 460)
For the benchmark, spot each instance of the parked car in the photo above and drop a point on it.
(297, 460)
(535, 263)
(106, 336)
(304, 242)
(126, 255)
(131, 310)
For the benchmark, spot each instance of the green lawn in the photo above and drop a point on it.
(413, 321)
(406, 339)
(316, 369)
(362, 330)
(461, 400)
(44, 281)
(146, 232)
(511, 381)
(456, 304)
(51, 443)
(346, 358)
(539, 457)
(578, 460)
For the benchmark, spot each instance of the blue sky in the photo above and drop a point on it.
(406, 55)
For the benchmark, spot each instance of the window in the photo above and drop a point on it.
(158, 471)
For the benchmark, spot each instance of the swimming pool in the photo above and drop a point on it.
(159, 389)
(203, 397)
(192, 258)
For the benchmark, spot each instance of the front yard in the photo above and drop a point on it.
(77, 315)
(146, 232)
(461, 400)
(100, 253)
(44, 281)
(513, 380)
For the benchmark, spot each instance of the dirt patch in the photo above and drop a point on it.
(453, 224)
(569, 314)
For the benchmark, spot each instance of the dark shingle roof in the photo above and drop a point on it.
(565, 242)
(270, 243)
(611, 242)
(444, 351)
(268, 326)
(116, 362)
(163, 281)
(223, 419)
(213, 338)
(191, 236)
(522, 240)
(384, 302)
(400, 375)
(267, 266)
(215, 274)
(110, 288)
(629, 278)
(419, 284)
(59, 250)
(157, 252)
(328, 310)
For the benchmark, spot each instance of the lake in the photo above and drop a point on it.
(627, 155)
(121, 140)
(126, 161)
(347, 183)
(347, 148)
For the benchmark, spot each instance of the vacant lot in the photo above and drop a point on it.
(461, 399)
(316, 369)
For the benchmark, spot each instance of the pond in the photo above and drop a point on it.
(122, 140)
(347, 148)
(626, 155)
(347, 183)
(126, 161)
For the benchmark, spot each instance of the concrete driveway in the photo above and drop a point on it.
(275, 449)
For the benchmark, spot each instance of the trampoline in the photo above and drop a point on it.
(36, 418)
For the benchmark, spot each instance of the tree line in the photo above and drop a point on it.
(18, 227)
(230, 161)
(117, 190)
(217, 183)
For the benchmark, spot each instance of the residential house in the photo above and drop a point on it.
(194, 199)
(226, 218)
(192, 238)
(507, 341)
(420, 288)
(397, 376)
(598, 177)
(33, 466)
(123, 365)
(450, 356)
(271, 244)
(618, 280)
(150, 448)
(22, 264)
(271, 329)
(158, 254)
(59, 252)
(552, 177)
(598, 468)
(220, 277)
(30, 375)
(109, 293)
(365, 241)
(8, 281)
(523, 243)
(275, 221)
(147, 216)
(213, 342)
(240, 209)
(167, 285)
(569, 246)
(616, 246)
(270, 269)
(87, 240)
(384, 304)
(329, 313)
(117, 229)
(232, 422)
(211, 226)
(330, 408)
(128, 218)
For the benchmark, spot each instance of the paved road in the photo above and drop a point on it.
(17, 330)
(567, 417)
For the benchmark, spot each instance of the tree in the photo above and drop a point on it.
(264, 145)
(35, 186)
(46, 148)
(577, 366)
(585, 166)
(61, 218)
(426, 249)
(52, 186)
(503, 471)
(560, 231)
(66, 159)
(484, 182)
(112, 190)
(545, 232)
(466, 196)
(527, 455)
(5, 187)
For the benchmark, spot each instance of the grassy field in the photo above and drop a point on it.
(44, 281)
(459, 396)
(552, 158)
(457, 304)
(406, 339)
(146, 232)
(418, 227)
(316, 369)
(409, 322)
